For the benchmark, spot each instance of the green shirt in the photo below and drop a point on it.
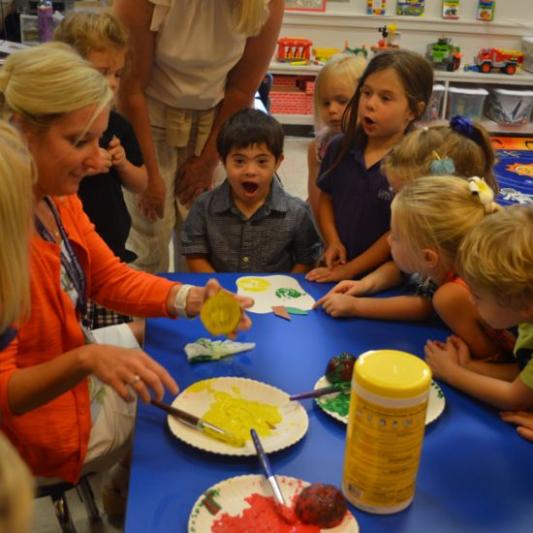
(523, 351)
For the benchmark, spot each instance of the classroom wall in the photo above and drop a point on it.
(348, 21)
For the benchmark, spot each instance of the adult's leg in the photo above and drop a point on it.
(150, 239)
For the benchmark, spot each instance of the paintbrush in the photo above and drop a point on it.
(284, 511)
(316, 393)
(200, 424)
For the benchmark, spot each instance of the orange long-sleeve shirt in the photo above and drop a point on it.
(53, 438)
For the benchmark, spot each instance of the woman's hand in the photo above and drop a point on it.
(130, 370)
(193, 178)
(198, 296)
(152, 200)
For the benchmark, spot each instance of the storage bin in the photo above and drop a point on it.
(509, 107)
(466, 102)
(527, 48)
(433, 109)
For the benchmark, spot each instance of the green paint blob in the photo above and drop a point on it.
(288, 293)
(340, 403)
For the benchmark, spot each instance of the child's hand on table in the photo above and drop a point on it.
(324, 274)
(442, 357)
(523, 420)
(336, 304)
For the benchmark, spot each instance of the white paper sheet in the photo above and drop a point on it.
(268, 291)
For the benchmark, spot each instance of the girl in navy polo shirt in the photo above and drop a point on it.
(354, 204)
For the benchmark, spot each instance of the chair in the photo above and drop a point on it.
(57, 491)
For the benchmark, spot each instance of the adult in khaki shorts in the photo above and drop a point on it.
(194, 64)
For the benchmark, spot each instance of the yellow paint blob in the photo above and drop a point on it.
(252, 284)
(237, 416)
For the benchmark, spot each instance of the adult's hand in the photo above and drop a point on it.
(130, 370)
(194, 177)
(198, 295)
(152, 200)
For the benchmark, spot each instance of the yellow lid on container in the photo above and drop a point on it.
(392, 373)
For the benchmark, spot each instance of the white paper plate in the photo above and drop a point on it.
(436, 402)
(231, 494)
(290, 430)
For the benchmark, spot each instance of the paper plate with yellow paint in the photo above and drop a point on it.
(337, 404)
(239, 499)
(270, 291)
(236, 405)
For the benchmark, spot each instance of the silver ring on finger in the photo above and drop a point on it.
(135, 380)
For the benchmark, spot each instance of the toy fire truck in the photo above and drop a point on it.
(489, 59)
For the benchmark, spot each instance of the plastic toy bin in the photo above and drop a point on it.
(433, 109)
(509, 107)
(466, 102)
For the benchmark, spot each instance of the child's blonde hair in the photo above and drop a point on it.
(346, 67)
(42, 83)
(497, 257)
(437, 212)
(416, 154)
(250, 15)
(92, 31)
(16, 490)
(17, 175)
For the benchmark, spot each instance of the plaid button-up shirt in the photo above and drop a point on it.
(279, 234)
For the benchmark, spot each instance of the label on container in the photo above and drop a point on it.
(382, 454)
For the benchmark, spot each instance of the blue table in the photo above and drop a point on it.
(476, 473)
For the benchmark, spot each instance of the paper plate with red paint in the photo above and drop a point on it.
(236, 405)
(337, 404)
(238, 503)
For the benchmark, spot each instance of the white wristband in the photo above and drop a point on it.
(180, 303)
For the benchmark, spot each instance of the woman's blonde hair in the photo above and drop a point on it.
(92, 31)
(42, 83)
(17, 175)
(437, 212)
(419, 149)
(16, 490)
(497, 257)
(250, 16)
(347, 68)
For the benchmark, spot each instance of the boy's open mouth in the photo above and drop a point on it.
(368, 121)
(249, 186)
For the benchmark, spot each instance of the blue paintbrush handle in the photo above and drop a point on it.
(265, 463)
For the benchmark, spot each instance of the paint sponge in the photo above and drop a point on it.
(321, 505)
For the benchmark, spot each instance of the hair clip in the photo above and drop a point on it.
(478, 187)
(463, 126)
(441, 166)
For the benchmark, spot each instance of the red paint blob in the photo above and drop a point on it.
(261, 517)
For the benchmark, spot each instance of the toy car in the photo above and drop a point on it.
(444, 55)
(508, 61)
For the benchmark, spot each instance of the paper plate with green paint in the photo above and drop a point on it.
(237, 503)
(271, 291)
(236, 405)
(337, 404)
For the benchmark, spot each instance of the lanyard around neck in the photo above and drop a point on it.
(69, 259)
